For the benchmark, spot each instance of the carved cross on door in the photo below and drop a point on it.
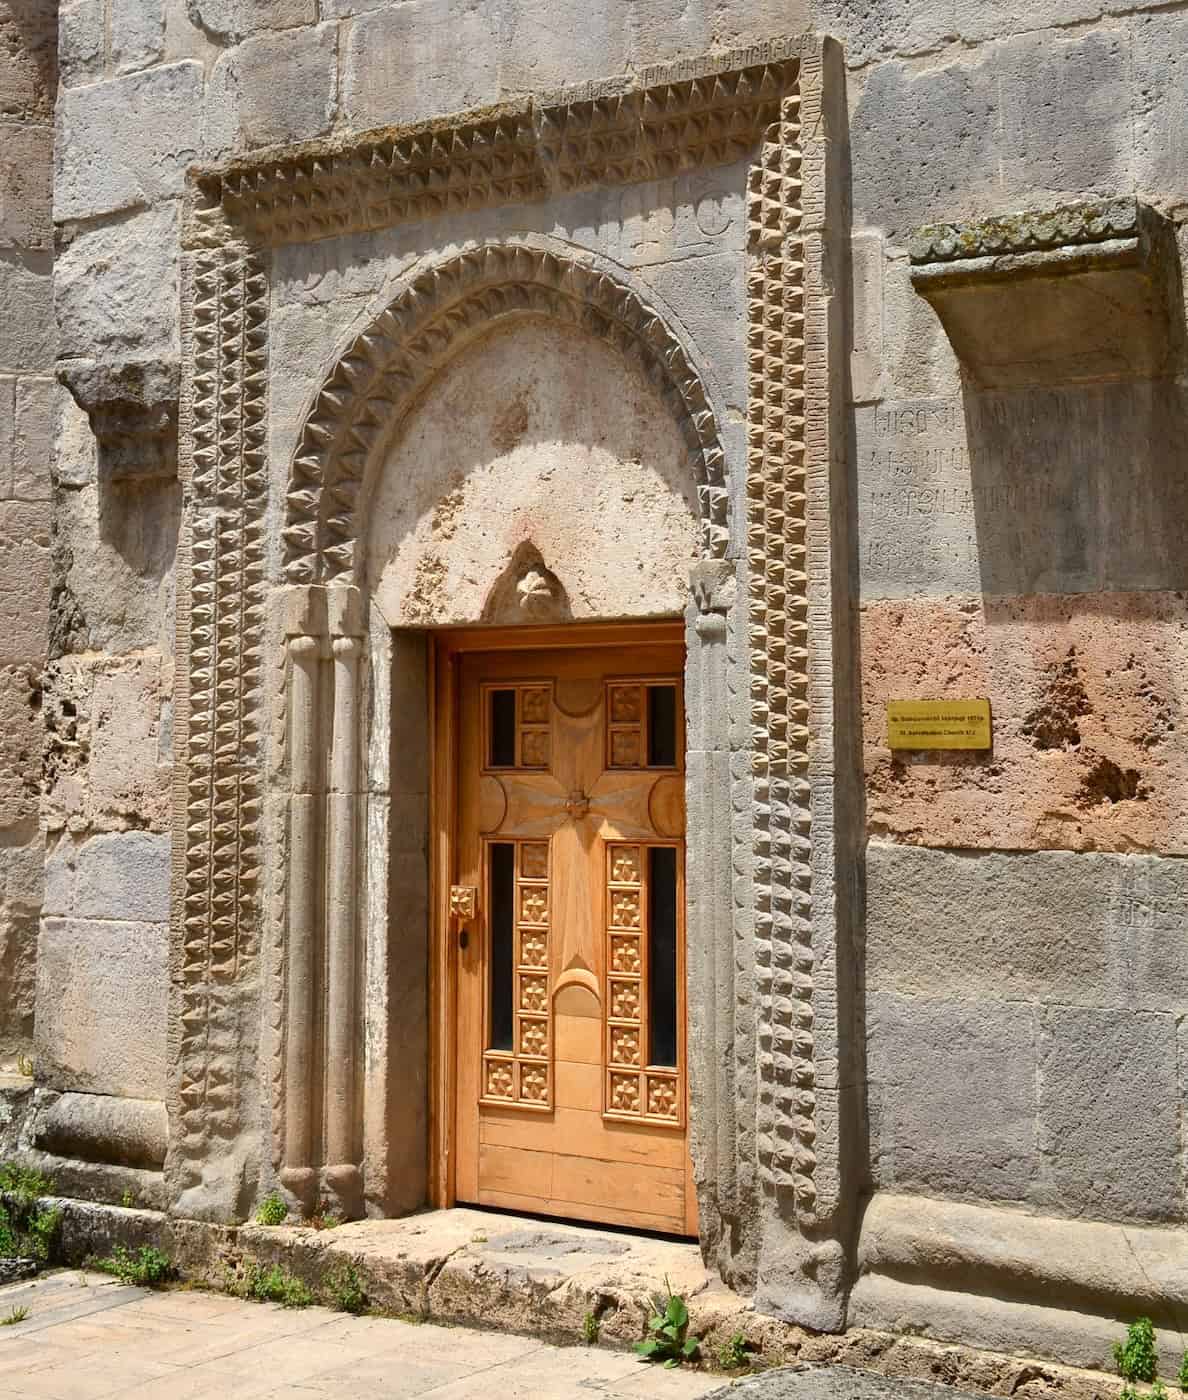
(579, 802)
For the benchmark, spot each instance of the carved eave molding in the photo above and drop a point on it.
(699, 112)
(774, 1102)
(1082, 293)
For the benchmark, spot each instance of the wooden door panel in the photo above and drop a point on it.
(570, 776)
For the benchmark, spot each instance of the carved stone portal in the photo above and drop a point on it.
(272, 857)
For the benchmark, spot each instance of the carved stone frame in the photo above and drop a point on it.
(771, 769)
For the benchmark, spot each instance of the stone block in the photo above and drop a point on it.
(137, 33)
(24, 580)
(26, 174)
(129, 768)
(274, 89)
(1049, 88)
(20, 745)
(73, 461)
(953, 1096)
(123, 875)
(663, 30)
(28, 335)
(711, 295)
(33, 438)
(82, 41)
(104, 1128)
(920, 361)
(421, 59)
(547, 44)
(924, 146)
(115, 289)
(1160, 55)
(128, 142)
(227, 21)
(892, 27)
(28, 73)
(101, 1006)
(1109, 1114)
(1084, 693)
(117, 577)
(994, 925)
(979, 21)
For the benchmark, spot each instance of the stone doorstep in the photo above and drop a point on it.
(514, 1274)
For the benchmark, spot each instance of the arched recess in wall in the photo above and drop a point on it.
(331, 1120)
(384, 369)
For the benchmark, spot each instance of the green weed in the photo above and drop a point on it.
(344, 1290)
(27, 1229)
(10, 1319)
(272, 1285)
(1135, 1357)
(147, 1268)
(1182, 1378)
(669, 1342)
(273, 1210)
(734, 1354)
(591, 1328)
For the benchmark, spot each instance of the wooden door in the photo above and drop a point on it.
(566, 921)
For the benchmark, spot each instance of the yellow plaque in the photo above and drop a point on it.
(938, 724)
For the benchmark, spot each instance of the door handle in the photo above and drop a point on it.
(463, 908)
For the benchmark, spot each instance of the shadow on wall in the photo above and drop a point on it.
(1080, 489)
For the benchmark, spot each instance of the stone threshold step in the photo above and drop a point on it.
(544, 1279)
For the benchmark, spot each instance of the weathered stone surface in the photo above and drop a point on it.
(1096, 1068)
(952, 1096)
(114, 568)
(123, 875)
(1160, 49)
(82, 42)
(226, 21)
(20, 897)
(419, 59)
(28, 335)
(137, 33)
(20, 743)
(273, 89)
(155, 111)
(115, 288)
(538, 48)
(107, 759)
(33, 438)
(1084, 697)
(950, 1270)
(879, 31)
(1085, 89)
(101, 990)
(923, 145)
(105, 1128)
(28, 68)
(442, 540)
(26, 168)
(24, 579)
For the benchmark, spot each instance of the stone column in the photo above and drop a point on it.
(306, 648)
(341, 1177)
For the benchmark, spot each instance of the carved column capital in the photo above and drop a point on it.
(132, 409)
(712, 582)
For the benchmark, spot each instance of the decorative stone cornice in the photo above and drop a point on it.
(132, 409)
(698, 112)
(1081, 293)
(1070, 225)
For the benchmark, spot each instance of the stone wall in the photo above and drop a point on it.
(28, 79)
(1024, 982)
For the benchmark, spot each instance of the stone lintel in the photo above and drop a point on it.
(1078, 294)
